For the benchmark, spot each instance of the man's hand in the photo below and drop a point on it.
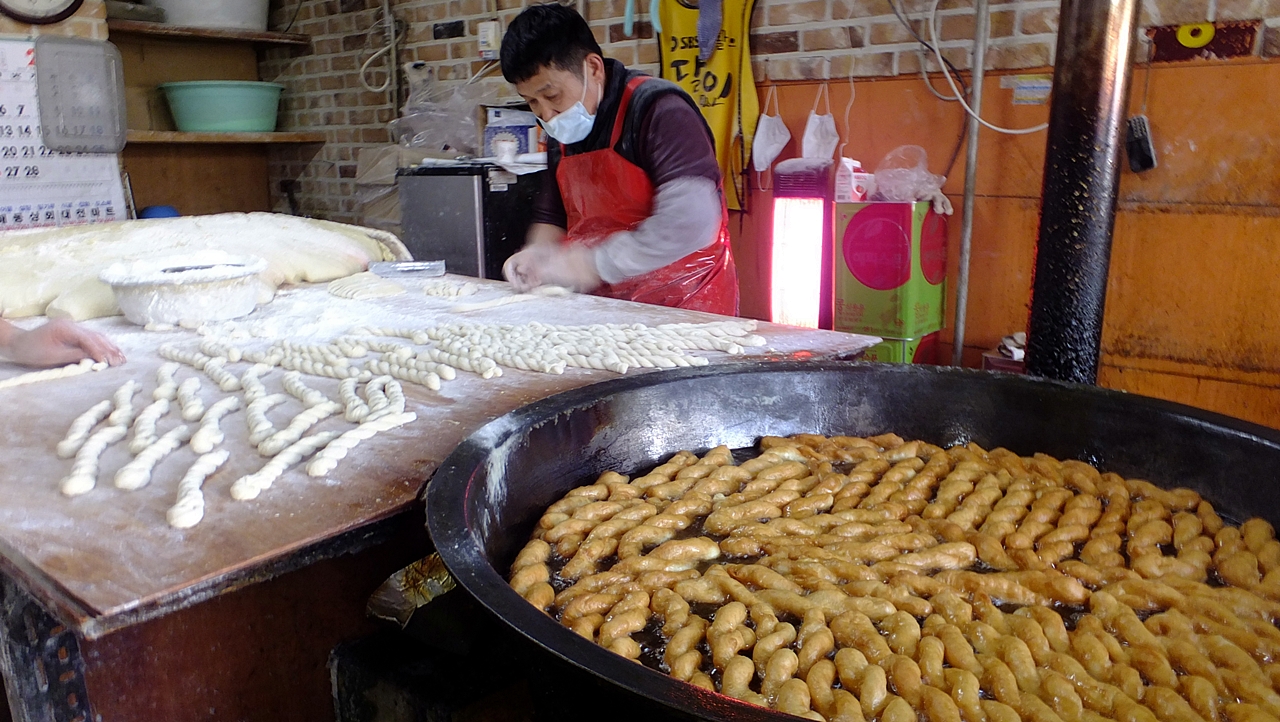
(58, 343)
(572, 266)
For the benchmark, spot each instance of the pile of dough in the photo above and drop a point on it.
(54, 271)
(364, 286)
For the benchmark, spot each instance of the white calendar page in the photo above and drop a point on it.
(41, 187)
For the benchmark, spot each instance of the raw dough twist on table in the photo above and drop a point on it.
(137, 473)
(194, 359)
(210, 433)
(297, 388)
(214, 346)
(67, 371)
(166, 386)
(887, 580)
(355, 408)
(282, 439)
(537, 293)
(144, 427)
(259, 426)
(189, 399)
(327, 460)
(416, 336)
(80, 428)
(84, 470)
(394, 404)
(188, 510)
(405, 372)
(375, 392)
(250, 486)
(217, 372)
(249, 381)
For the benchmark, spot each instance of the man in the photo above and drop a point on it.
(56, 343)
(633, 207)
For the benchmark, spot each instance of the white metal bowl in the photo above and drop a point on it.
(194, 287)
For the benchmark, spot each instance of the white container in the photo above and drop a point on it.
(196, 287)
(223, 14)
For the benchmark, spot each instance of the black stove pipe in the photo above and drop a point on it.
(1081, 185)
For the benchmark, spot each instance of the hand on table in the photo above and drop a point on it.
(572, 266)
(57, 343)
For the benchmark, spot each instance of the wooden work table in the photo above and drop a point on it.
(105, 566)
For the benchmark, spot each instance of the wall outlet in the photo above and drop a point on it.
(489, 35)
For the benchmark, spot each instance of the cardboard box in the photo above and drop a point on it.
(922, 350)
(512, 123)
(890, 269)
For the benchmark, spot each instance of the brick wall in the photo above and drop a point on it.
(791, 40)
(90, 21)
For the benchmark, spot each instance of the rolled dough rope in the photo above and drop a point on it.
(412, 375)
(80, 428)
(161, 327)
(253, 388)
(84, 470)
(260, 427)
(248, 487)
(32, 377)
(363, 286)
(540, 292)
(329, 353)
(218, 374)
(414, 335)
(271, 357)
(166, 387)
(210, 433)
(122, 400)
(337, 450)
(444, 371)
(195, 359)
(312, 367)
(137, 473)
(449, 289)
(356, 408)
(389, 347)
(395, 403)
(189, 399)
(375, 392)
(188, 510)
(144, 427)
(485, 367)
(297, 388)
(351, 348)
(280, 440)
(213, 346)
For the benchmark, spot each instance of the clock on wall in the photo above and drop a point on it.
(39, 12)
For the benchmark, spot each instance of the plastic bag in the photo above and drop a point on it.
(445, 120)
(904, 175)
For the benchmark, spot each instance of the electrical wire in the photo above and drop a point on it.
(964, 88)
(933, 35)
(391, 81)
(294, 19)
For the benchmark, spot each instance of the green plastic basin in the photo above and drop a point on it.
(221, 106)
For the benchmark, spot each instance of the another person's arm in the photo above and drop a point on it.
(56, 343)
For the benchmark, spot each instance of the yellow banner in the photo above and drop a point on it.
(723, 87)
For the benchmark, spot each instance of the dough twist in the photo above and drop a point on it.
(80, 428)
(189, 399)
(144, 427)
(282, 439)
(337, 450)
(250, 486)
(188, 510)
(210, 433)
(137, 473)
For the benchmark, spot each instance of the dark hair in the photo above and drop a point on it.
(548, 35)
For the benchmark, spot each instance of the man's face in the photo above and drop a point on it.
(551, 91)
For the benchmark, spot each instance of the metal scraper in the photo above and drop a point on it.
(393, 269)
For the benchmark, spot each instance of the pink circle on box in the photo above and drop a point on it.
(933, 248)
(877, 245)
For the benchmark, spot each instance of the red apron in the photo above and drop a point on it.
(604, 193)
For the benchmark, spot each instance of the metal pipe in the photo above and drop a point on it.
(1081, 185)
(982, 31)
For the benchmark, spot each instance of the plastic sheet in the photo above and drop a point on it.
(904, 175)
(445, 120)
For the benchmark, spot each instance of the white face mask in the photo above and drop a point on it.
(820, 135)
(771, 136)
(574, 124)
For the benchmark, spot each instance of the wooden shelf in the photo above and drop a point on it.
(161, 30)
(175, 137)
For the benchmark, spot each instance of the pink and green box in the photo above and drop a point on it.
(905, 350)
(890, 269)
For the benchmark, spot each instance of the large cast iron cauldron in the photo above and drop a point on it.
(483, 502)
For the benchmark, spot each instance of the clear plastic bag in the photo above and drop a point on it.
(445, 120)
(904, 175)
